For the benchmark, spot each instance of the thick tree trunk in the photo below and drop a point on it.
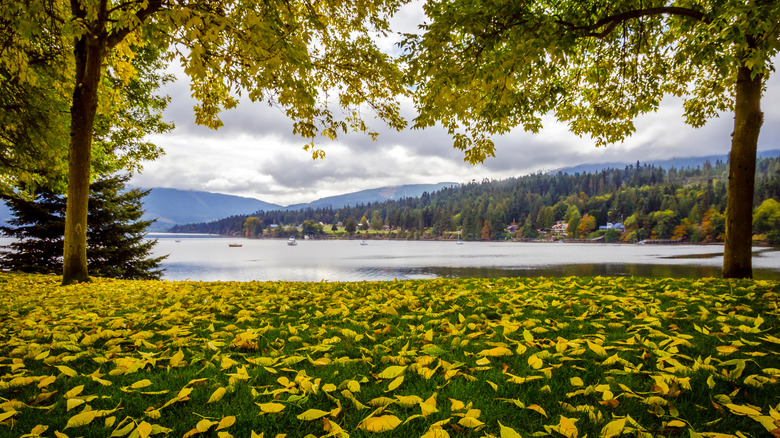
(89, 55)
(748, 118)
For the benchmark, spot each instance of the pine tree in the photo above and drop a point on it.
(39, 223)
(116, 245)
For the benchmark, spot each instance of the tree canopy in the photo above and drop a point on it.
(34, 120)
(318, 61)
(481, 68)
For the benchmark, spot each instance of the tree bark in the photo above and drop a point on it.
(89, 53)
(748, 118)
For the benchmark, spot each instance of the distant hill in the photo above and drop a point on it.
(679, 163)
(373, 195)
(172, 206)
(176, 207)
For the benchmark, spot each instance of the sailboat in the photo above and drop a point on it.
(459, 242)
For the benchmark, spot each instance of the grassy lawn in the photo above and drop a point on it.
(506, 358)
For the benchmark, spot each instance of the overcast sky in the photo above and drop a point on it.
(256, 155)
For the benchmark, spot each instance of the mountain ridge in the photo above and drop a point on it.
(676, 162)
(169, 207)
(372, 195)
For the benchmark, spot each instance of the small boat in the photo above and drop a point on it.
(363, 242)
(291, 241)
(235, 245)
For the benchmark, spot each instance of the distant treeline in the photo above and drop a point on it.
(652, 202)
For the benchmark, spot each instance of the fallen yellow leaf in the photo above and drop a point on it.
(271, 407)
(381, 424)
(217, 395)
(508, 432)
(312, 414)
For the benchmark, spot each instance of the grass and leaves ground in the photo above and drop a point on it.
(506, 358)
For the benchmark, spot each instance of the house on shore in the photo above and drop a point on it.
(610, 226)
(560, 228)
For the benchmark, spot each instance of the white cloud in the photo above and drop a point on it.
(255, 154)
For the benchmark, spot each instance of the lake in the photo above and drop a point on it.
(210, 258)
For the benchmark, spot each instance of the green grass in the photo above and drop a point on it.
(662, 357)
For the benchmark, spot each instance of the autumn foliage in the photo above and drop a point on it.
(564, 357)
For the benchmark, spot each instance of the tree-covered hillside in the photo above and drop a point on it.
(652, 202)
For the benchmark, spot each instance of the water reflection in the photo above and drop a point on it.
(593, 269)
(211, 259)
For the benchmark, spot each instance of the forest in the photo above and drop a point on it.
(650, 201)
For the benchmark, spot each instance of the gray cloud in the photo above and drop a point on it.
(257, 155)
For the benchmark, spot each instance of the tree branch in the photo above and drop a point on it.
(613, 20)
(116, 36)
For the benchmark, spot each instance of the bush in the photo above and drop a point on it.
(611, 236)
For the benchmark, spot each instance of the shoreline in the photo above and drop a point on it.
(373, 237)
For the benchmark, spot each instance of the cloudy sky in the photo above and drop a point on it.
(256, 155)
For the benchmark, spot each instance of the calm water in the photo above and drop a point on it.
(208, 258)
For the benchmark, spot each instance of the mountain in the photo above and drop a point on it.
(373, 195)
(175, 207)
(677, 162)
(651, 202)
(172, 206)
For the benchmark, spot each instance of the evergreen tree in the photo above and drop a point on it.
(350, 226)
(116, 244)
(39, 223)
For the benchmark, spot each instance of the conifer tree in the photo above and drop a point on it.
(116, 246)
(38, 224)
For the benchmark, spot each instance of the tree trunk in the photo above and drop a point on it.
(89, 53)
(748, 118)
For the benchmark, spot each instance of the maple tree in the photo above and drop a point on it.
(481, 68)
(304, 57)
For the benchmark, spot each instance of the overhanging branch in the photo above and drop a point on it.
(613, 20)
(118, 35)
